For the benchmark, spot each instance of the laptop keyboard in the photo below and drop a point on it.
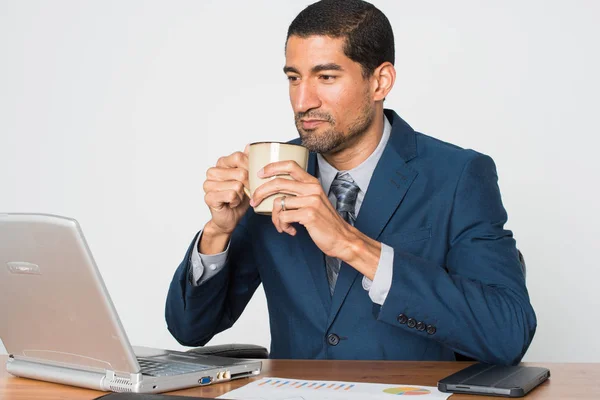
(164, 368)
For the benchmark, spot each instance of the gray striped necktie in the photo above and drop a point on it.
(346, 191)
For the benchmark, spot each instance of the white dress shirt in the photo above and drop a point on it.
(205, 266)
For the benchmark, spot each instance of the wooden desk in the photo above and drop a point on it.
(568, 381)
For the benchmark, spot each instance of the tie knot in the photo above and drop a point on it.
(346, 191)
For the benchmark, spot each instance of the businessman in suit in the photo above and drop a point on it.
(393, 245)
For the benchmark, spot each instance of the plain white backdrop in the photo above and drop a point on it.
(111, 112)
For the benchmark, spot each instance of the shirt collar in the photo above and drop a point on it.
(362, 173)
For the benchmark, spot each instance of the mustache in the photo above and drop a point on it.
(313, 115)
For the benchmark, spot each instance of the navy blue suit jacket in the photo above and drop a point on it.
(458, 285)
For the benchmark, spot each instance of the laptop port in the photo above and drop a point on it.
(205, 380)
(223, 375)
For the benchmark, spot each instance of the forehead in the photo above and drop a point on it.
(314, 50)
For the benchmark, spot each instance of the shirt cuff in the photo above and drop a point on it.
(379, 287)
(203, 266)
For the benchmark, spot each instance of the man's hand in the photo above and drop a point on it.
(225, 197)
(310, 207)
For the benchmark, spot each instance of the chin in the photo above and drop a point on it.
(321, 140)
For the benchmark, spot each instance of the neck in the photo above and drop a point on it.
(356, 151)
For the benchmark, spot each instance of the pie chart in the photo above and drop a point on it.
(407, 391)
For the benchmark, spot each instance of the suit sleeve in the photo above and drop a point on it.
(477, 303)
(194, 314)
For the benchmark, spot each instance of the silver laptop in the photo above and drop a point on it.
(59, 324)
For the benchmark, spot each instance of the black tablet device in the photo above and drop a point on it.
(494, 380)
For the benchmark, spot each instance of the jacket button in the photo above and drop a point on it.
(333, 339)
(411, 323)
(420, 326)
(402, 319)
(431, 329)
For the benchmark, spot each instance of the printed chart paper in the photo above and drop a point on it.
(297, 389)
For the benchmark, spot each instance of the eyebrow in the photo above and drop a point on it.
(316, 68)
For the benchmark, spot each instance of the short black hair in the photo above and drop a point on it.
(368, 32)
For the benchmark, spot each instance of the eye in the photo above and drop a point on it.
(327, 78)
(292, 78)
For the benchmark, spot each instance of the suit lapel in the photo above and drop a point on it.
(390, 182)
(391, 179)
(315, 258)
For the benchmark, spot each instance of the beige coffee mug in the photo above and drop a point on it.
(263, 153)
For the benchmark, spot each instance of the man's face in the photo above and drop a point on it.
(331, 99)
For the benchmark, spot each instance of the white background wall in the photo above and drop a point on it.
(111, 111)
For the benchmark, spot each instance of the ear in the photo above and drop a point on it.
(383, 80)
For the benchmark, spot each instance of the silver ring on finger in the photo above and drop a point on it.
(283, 203)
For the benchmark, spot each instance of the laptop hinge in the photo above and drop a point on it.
(54, 373)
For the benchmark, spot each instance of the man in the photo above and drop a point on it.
(393, 246)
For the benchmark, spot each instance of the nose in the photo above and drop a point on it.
(304, 97)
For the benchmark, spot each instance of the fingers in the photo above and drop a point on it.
(225, 182)
(287, 168)
(221, 186)
(236, 160)
(216, 200)
(278, 207)
(297, 209)
(301, 217)
(228, 174)
(297, 202)
(283, 185)
(231, 168)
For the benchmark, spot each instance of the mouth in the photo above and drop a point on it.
(311, 123)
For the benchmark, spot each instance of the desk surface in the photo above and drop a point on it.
(568, 381)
